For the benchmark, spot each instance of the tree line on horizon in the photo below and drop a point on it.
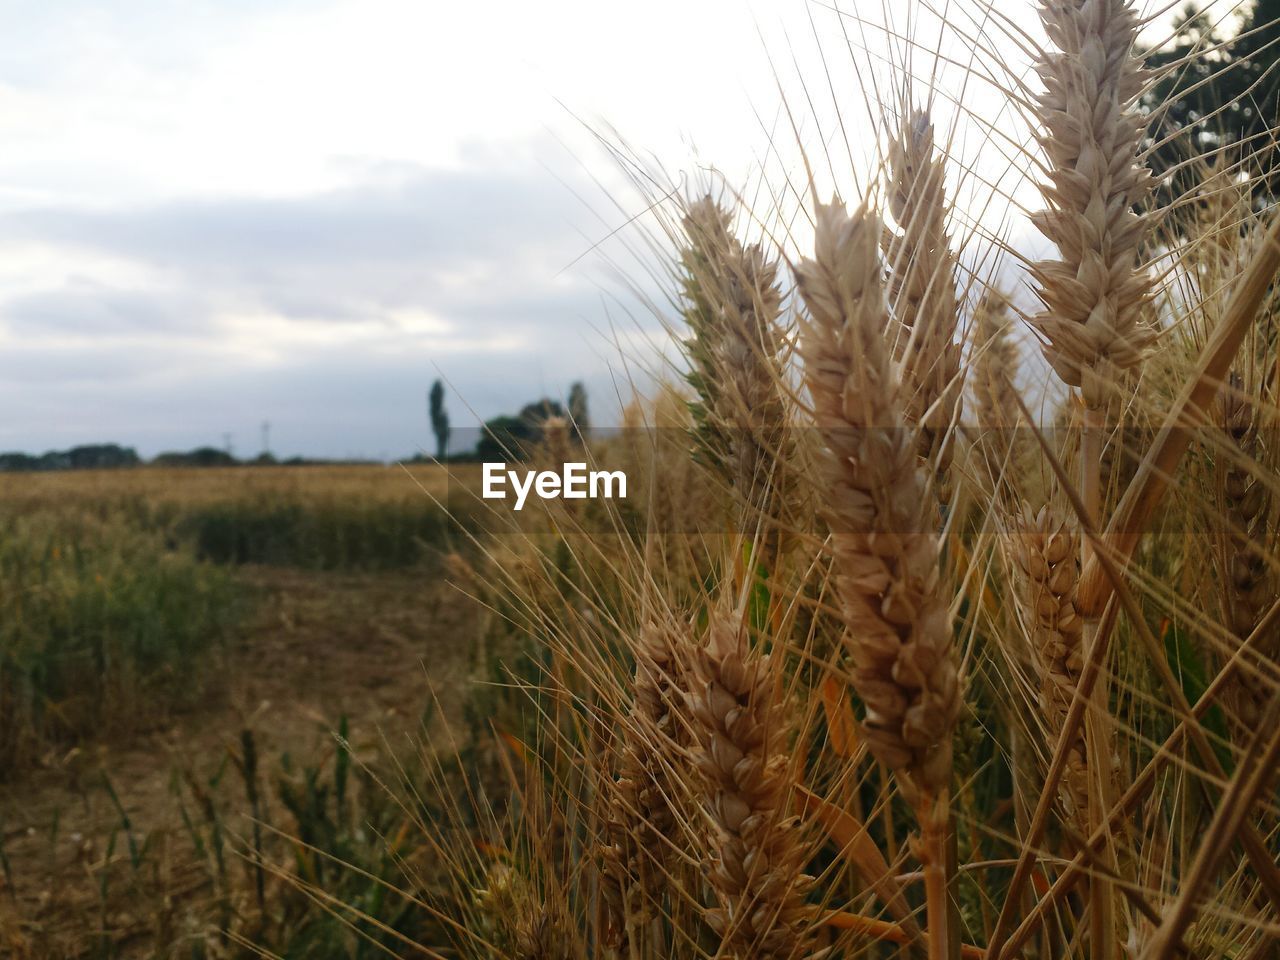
(501, 438)
(113, 456)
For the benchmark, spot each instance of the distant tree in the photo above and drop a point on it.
(504, 438)
(439, 420)
(199, 457)
(1226, 94)
(102, 456)
(55, 460)
(579, 417)
(15, 462)
(510, 438)
(96, 456)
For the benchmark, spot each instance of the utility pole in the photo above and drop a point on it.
(266, 438)
(226, 443)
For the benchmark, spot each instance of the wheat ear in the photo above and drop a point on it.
(733, 302)
(922, 292)
(1096, 296)
(1223, 230)
(1248, 582)
(640, 821)
(741, 753)
(886, 550)
(1048, 557)
(1096, 293)
(517, 918)
(996, 360)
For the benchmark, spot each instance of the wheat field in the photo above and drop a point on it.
(942, 616)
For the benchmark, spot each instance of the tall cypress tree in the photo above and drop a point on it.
(439, 420)
(581, 420)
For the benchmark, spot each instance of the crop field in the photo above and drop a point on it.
(178, 650)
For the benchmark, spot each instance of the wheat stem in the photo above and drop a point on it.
(934, 815)
(886, 553)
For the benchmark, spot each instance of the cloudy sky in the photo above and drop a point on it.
(219, 212)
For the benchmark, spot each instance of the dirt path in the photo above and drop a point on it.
(318, 647)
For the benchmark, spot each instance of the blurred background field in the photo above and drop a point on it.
(177, 647)
(326, 517)
(182, 486)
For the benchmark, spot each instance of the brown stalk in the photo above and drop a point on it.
(1191, 409)
(639, 820)
(996, 360)
(886, 932)
(857, 846)
(732, 303)
(922, 293)
(1254, 773)
(1074, 870)
(1095, 294)
(1048, 558)
(1244, 570)
(1256, 850)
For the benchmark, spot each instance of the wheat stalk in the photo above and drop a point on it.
(556, 441)
(732, 303)
(885, 553)
(1223, 225)
(996, 359)
(517, 919)
(1247, 579)
(1096, 296)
